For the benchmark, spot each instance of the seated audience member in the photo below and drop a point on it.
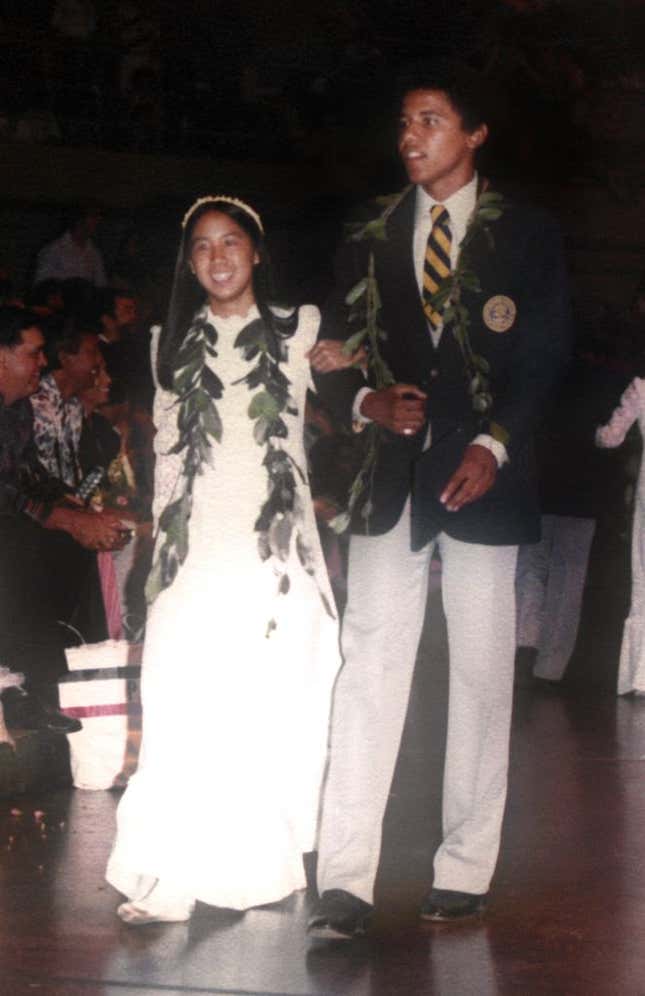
(99, 443)
(126, 487)
(98, 447)
(40, 530)
(117, 313)
(75, 359)
(73, 254)
(46, 298)
(58, 425)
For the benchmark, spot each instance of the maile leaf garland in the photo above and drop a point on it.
(198, 423)
(489, 207)
(280, 516)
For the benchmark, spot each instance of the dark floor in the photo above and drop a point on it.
(568, 906)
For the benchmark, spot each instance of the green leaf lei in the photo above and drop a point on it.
(198, 422)
(364, 304)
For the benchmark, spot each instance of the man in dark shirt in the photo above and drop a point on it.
(40, 525)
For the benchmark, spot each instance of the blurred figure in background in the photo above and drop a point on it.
(631, 410)
(74, 254)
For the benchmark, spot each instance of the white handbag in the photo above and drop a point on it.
(102, 689)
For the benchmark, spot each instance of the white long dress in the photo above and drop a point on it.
(225, 800)
(631, 670)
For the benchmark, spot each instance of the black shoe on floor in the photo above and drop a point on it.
(444, 905)
(339, 915)
(23, 711)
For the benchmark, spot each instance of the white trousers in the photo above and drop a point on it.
(550, 586)
(387, 592)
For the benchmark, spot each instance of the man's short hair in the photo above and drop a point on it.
(467, 90)
(106, 298)
(13, 322)
(68, 338)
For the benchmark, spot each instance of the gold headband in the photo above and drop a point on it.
(227, 200)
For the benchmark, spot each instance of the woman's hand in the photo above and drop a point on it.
(329, 355)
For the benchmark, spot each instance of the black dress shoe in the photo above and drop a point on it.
(443, 905)
(23, 711)
(339, 915)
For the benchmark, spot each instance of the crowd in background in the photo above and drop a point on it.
(127, 75)
(78, 297)
(86, 448)
(123, 75)
(92, 430)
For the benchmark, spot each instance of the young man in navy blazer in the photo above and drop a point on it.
(451, 474)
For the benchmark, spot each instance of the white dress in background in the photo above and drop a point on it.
(225, 800)
(631, 671)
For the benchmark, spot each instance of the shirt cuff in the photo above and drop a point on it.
(358, 419)
(497, 449)
(15, 502)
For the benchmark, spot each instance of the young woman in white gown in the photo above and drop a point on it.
(241, 648)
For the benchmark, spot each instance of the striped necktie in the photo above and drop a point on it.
(436, 266)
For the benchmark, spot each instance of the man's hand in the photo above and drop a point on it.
(473, 478)
(93, 530)
(329, 355)
(325, 509)
(400, 408)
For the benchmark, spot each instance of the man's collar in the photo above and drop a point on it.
(461, 202)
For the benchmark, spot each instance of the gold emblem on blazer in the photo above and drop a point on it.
(499, 313)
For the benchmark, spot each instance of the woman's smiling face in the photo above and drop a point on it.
(222, 257)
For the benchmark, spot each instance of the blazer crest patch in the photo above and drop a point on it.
(499, 313)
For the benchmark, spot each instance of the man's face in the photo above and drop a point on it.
(437, 152)
(81, 368)
(125, 311)
(20, 366)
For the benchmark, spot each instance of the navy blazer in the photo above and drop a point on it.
(526, 265)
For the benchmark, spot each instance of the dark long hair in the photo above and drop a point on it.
(188, 297)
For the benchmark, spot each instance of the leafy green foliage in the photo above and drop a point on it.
(197, 388)
(279, 519)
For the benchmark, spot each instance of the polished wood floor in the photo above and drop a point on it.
(568, 905)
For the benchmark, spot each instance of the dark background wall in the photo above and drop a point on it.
(142, 106)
